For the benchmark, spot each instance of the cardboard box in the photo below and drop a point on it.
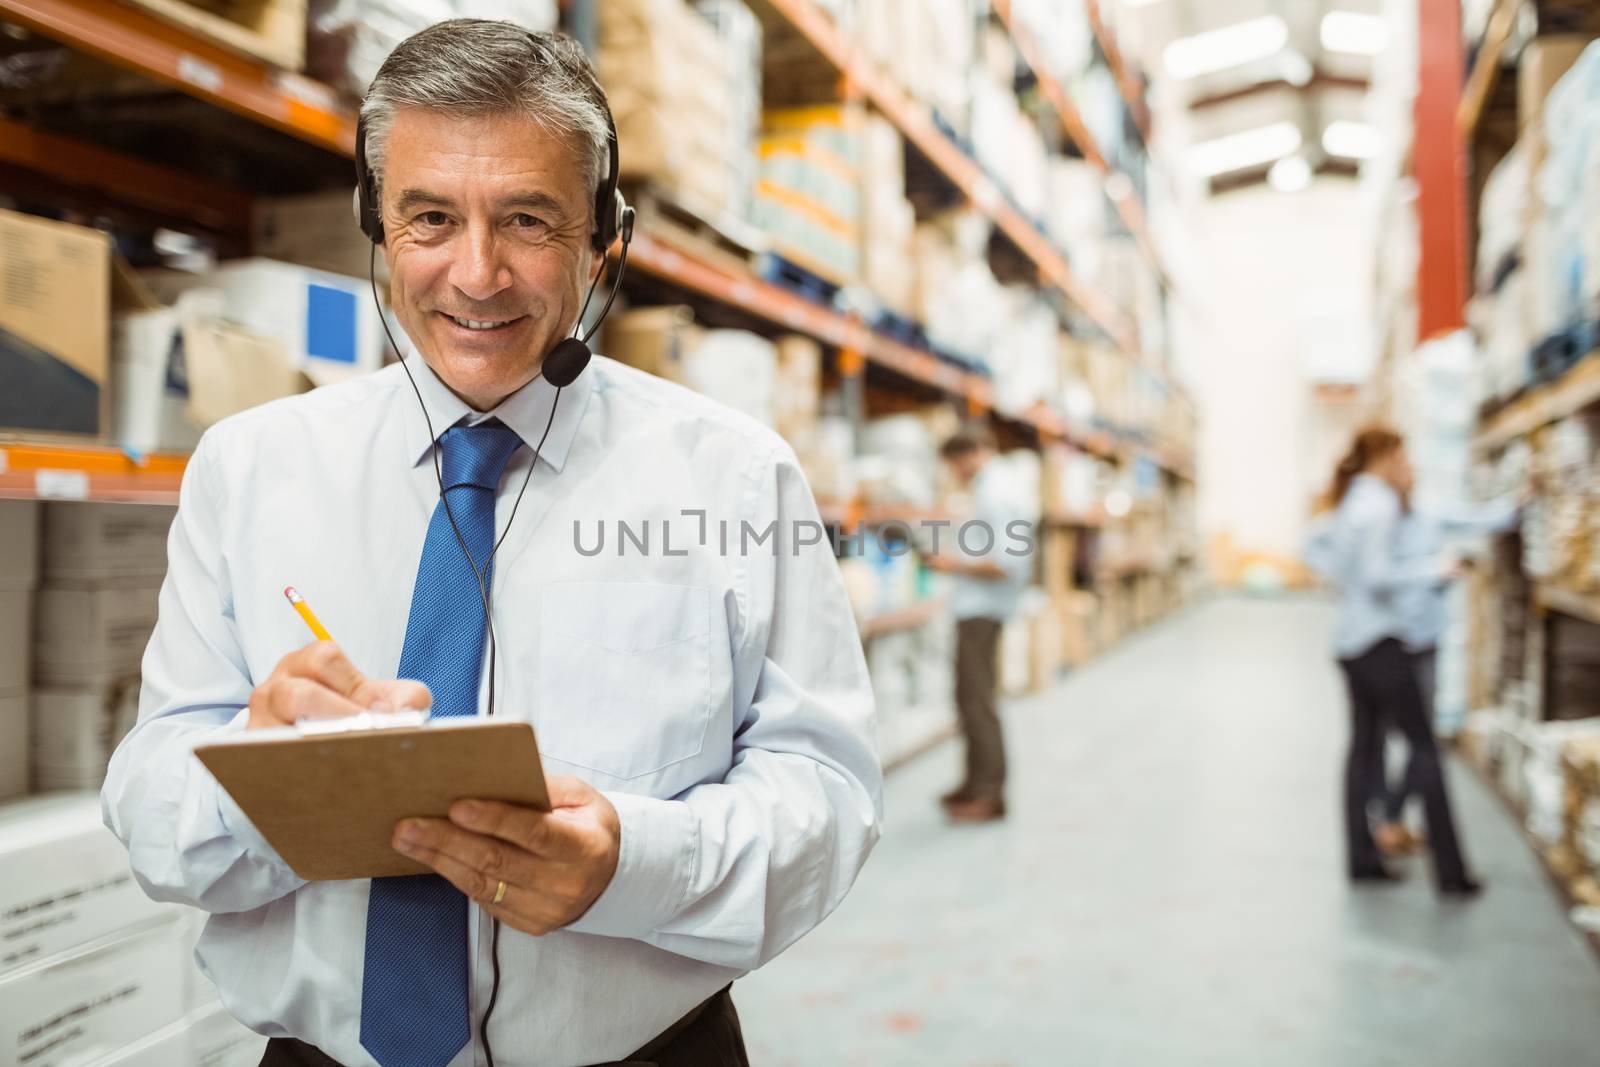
(13, 766)
(87, 1004)
(1543, 62)
(217, 1039)
(64, 880)
(84, 635)
(86, 542)
(55, 309)
(656, 340)
(19, 544)
(15, 610)
(271, 30)
(73, 732)
(315, 230)
(210, 1038)
(797, 403)
(326, 323)
(171, 1046)
(177, 370)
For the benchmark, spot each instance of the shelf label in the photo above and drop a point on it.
(986, 196)
(61, 485)
(307, 92)
(197, 71)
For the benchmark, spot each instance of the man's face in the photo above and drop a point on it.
(488, 222)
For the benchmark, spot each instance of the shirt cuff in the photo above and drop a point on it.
(235, 823)
(655, 865)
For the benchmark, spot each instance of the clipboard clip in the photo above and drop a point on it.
(367, 720)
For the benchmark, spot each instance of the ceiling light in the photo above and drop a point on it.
(1250, 148)
(1351, 31)
(1231, 46)
(1352, 140)
(1290, 174)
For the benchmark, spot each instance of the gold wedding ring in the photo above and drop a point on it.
(499, 893)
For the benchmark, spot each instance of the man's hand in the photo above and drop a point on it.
(319, 682)
(554, 866)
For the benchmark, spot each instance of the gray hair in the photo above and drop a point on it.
(475, 67)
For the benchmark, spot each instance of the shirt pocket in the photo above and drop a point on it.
(624, 675)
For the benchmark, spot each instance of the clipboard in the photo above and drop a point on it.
(327, 794)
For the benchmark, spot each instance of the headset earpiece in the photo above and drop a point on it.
(366, 203)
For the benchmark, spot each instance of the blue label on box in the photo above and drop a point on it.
(330, 324)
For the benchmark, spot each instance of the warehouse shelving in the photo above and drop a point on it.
(135, 40)
(1127, 82)
(1551, 597)
(1572, 392)
(34, 471)
(1486, 68)
(917, 125)
(1119, 188)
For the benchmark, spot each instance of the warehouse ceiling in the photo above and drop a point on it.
(1249, 83)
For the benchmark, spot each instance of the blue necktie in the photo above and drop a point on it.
(414, 983)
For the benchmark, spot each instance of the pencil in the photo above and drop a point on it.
(306, 613)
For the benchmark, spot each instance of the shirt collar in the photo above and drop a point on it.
(526, 411)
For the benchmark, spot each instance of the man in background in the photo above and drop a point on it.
(990, 569)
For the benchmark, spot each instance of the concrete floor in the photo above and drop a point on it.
(1168, 890)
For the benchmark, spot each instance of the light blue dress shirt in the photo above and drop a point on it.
(992, 538)
(1389, 564)
(715, 692)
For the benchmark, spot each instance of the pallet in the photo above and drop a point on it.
(1555, 355)
(785, 273)
(897, 327)
(726, 242)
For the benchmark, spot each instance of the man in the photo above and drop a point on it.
(991, 569)
(704, 715)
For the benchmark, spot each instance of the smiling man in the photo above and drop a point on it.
(704, 715)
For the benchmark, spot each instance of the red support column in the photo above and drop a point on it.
(1438, 161)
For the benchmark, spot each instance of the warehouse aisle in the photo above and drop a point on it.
(1167, 891)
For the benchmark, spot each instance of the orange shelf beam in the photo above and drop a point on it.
(1121, 193)
(917, 126)
(128, 37)
(1127, 83)
(37, 471)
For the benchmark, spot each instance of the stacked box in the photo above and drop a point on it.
(103, 565)
(808, 195)
(1581, 810)
(672, 89)
(19, 571)
(926, 47)
(739, 33)
(888, 221)
(54, 309)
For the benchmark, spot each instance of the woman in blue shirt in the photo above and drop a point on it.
(1364, 556)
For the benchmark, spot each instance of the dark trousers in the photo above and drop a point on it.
(1383, 693)
(709, 1036)
(977, 647)
(1425, 663)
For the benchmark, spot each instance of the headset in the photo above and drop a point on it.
(562, 365)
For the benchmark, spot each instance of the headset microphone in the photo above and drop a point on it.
(568, 358)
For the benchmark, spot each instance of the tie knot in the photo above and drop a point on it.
(476, 455)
